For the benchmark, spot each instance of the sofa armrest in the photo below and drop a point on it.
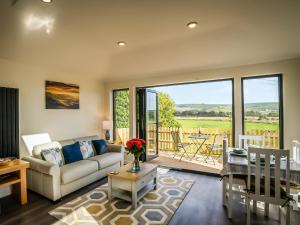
(115, 148)
(43, 166)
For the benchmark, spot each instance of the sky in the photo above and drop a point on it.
(220, 92)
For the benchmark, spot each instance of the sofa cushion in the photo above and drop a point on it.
(53, 155)
(77, 170)
(36, 151)
(87, 149)
(72, 153)
(100, 146)
(107, 159)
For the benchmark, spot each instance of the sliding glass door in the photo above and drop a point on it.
(147, 120)
(262, 108)
(152, 123)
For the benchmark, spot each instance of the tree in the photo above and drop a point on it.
(122, 109)
(166, 111)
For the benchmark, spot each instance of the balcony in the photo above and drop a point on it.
(167, 147)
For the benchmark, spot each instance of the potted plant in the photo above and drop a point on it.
(136, 147)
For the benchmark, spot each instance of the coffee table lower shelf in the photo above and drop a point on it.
(132, 187)
(127, 195)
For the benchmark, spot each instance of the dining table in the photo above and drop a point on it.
(198, 141)
(238, 164)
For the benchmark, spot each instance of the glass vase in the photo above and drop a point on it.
(136, 164)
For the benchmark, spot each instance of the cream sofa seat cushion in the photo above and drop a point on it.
(36, 152)
(107, 159)
(73, 171)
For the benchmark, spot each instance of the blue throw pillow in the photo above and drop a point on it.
(100, 146)
(72, 153)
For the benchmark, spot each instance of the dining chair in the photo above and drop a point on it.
(233, 184)
(253, 140)
(295, 190)
(179, 145)
(264, 185)
(296, 151)
(246, 140)
(215, 148)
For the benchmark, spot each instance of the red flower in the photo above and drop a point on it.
(129, 144)
(143, 141)
(140, 140)
(138, 144)
(135, 145)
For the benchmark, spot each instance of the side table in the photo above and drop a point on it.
(15, 174)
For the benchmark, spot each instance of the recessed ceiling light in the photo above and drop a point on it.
(121, 43)
(192, 25)
(47, 1)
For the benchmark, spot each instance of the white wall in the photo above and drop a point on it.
(291, 90)
(60, 123)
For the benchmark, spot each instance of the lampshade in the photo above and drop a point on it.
(107, 125)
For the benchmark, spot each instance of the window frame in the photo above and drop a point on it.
(114, 91)
(280, 98)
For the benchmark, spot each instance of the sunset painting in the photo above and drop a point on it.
(61, 95)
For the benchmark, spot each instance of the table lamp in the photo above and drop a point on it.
(107, 126)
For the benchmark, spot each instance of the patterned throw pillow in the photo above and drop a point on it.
(53, 155)
(86, 149)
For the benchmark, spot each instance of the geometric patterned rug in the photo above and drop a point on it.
(157, 207)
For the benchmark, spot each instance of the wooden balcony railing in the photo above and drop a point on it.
(166, 143)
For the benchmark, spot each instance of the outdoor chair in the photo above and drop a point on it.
(215, 147)
(179, 146)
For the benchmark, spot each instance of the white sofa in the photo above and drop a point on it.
(54, 182)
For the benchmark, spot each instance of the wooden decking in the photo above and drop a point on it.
(196, 164)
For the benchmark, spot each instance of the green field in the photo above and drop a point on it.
(263, 108)
(224, 124)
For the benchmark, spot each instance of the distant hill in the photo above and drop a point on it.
(203, 107)
(262, 107)
(266, 107)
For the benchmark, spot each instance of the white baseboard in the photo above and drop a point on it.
(5, 192)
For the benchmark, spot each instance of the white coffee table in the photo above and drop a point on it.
(132, 186)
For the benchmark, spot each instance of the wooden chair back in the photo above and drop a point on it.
(225, 149)
(296, 151)
(246, 140)
(268, 172)
(176, 139)
(217, 140)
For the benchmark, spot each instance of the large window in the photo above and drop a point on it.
(121, 116)
(194, 108)
(262, 108)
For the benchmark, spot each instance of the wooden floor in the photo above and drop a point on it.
(202, 205)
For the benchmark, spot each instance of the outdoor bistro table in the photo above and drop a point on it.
(239, 165)
(198, 141)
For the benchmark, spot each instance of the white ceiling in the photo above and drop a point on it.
(85, 32)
